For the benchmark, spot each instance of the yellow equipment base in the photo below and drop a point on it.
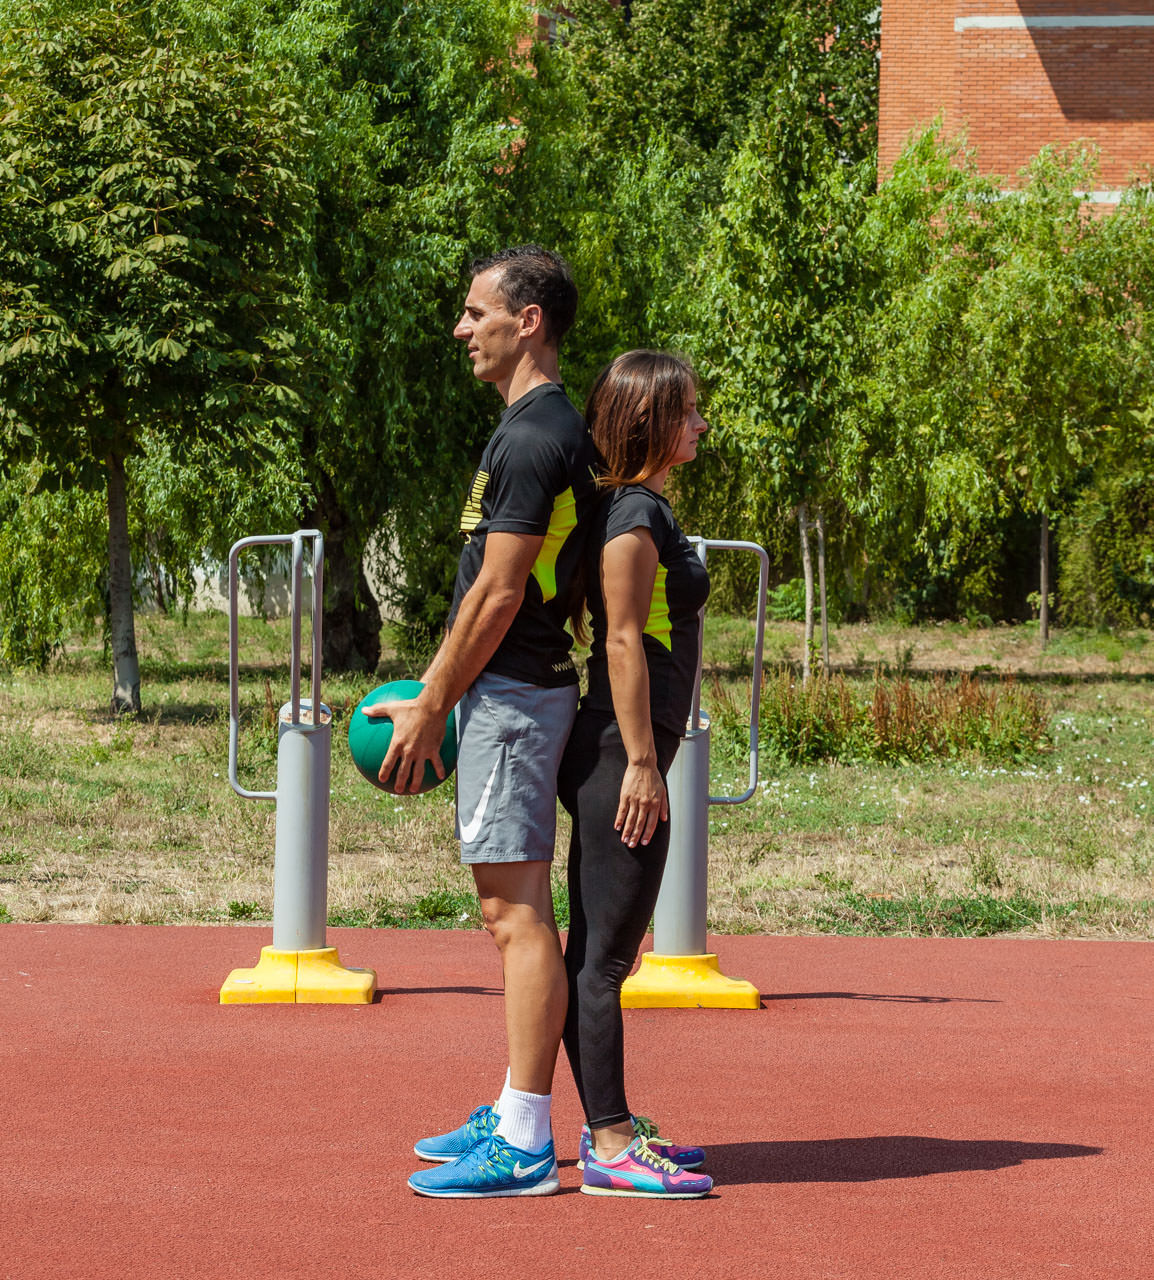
(686, 982)
(299, 977)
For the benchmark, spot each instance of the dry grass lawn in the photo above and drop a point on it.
(134, 821)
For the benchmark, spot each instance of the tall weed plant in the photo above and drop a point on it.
(894, 721)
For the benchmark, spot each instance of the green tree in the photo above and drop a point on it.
(771, 304)
(421, 116)
(702, 70)
(917, 471)
(1106, 576)
(1046, 330)
(1004, 358)
(151, 193)
(53, 564)
(673, 120)
(186, 506)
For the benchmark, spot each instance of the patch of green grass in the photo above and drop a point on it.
(373, 914)
(560, 903)
(930, 915)
(443, 908)
(246, 911)
(440, 908)
(729, 644)
(23, 757)
(5, 918)
(121, 743)
(1081, 642)
(984, 870)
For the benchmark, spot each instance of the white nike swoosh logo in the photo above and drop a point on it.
(519, 1172)
(471, 829)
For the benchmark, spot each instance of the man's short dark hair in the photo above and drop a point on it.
(532, 275)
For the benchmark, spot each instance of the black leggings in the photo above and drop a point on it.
(612, 892)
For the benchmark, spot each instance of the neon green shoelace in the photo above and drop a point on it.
(646, 1155)
(645, 1128)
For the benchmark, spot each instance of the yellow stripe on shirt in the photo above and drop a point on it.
(562, 522)
(658, 625)
(471, 516)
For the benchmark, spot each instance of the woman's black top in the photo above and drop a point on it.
(671, 635)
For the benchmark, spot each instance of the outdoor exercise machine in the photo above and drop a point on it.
(680, 973)
(299, 967)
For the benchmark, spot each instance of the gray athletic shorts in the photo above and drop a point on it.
(511, 736)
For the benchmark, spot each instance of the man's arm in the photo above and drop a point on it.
(486, 611)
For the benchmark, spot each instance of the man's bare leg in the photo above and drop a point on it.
(517, 907)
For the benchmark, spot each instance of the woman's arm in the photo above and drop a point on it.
(628, 571)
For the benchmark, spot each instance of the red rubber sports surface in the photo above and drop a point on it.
(899, 1108)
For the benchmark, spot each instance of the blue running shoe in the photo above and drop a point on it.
(643, 1127)
(491, 1168)
(448, 1146)
(640, 1171)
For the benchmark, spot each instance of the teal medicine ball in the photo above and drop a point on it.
(369, 737)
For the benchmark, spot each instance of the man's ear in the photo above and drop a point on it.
(532, 320)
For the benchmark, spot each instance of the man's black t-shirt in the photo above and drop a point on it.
(536, 477)
(670, 636)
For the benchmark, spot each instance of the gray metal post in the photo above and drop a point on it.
(300, 870)
(679, 917)
(299, 967)
(304, 750)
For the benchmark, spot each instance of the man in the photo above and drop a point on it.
(505, 660)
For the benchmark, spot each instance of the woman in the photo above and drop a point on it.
(645, 590)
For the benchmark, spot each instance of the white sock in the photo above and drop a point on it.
(497, 1104)
(524, 1118)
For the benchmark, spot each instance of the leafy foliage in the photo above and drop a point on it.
(1107, 542)
(978, 915)
(701, 72)
(1002, 349)
(148, 187)
(1043, 327)
(149, 195)
(768, 302)
(415, 166)
(238, 272)
(53, 564)
(710, 149)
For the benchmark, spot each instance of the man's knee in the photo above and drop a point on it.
(516, 901)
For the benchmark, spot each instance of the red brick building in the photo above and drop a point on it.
(1022, 73)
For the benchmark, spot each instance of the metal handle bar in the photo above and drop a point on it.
(702, 546)
(273, 540)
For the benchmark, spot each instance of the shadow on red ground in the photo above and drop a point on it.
(898, 1108)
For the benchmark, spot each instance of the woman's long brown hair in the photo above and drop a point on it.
(636, 413)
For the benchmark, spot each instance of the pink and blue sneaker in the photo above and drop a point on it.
(640, 1171)
(643, 1127)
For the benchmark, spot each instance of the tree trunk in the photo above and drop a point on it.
(1044, 581)
(807, 569)
(352, 621)
(819, 524)
(121, 624)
